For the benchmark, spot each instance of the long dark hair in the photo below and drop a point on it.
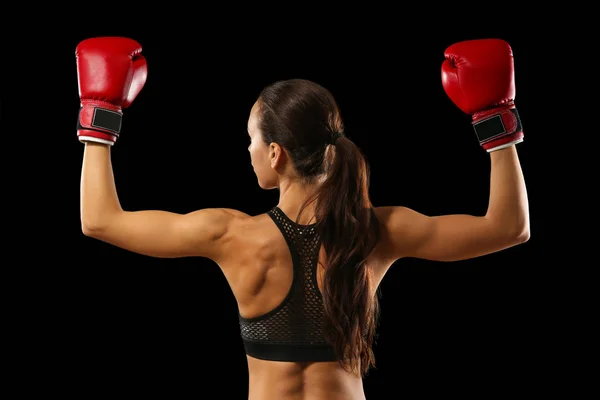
(303, 117)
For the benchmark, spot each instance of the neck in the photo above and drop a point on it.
(292, 195)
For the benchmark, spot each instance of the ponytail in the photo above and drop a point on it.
(349, 231)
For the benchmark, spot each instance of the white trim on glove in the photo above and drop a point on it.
(505, 145)
(94, 139)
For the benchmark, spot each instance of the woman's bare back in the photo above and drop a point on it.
(259, 270)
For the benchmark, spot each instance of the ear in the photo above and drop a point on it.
(276, 156)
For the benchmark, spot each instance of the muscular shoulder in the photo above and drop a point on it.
(244, 226)
(227, 220)
(232, 213)
(219, 220)
(235, 225)
(207, 231)
(239, 233)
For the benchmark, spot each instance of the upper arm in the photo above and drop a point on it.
(408, 233)
(166, 234)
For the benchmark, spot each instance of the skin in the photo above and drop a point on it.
(256, 261)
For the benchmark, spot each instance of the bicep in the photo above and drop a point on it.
(165, 234)
(442, 238)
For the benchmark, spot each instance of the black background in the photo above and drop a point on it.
(122, 323)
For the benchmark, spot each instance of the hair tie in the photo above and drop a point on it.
(334, 137)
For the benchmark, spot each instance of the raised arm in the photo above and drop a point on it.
(409, 233)
(478, 76)
(111, 73)
(155, 233)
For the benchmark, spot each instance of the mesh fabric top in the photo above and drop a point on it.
(293, 331)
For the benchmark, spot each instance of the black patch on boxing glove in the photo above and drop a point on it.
(104, 121)
(493, 127)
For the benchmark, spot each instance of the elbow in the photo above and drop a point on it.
(519, 234)
(522, 237)
(93, 228)
(95, 225)
(90, 230)
(522, 231)
(514, 230)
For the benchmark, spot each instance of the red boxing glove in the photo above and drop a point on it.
(478, 76)
(111, 72)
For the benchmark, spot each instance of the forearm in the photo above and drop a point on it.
(508, 203)
(99, 200)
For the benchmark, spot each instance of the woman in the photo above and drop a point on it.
(305, 274)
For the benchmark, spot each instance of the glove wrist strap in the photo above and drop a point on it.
(100, 117)
(497, 124)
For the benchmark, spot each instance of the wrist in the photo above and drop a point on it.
(94, 144)
(499, 154)
(503, 142)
